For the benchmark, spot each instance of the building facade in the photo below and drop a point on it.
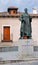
(10, 25)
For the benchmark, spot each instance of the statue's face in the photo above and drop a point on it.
(25, 10)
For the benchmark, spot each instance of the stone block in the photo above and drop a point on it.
(25, 42)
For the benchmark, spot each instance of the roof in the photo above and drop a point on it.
(6, 14)
(18, 14)
(33, 14)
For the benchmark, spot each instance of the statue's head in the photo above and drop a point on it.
(25, 10)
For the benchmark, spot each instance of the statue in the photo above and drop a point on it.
(25, 30)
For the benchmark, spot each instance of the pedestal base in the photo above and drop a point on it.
(25, 48)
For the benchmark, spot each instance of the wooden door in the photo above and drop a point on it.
(6, 33)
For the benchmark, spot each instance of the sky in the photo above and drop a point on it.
(21, 4)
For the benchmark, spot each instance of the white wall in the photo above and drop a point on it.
(15, 27)
(35, 29)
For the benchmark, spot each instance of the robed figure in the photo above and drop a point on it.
(25, 30)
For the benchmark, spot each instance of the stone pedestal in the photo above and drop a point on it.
(25, 42)
(25, 48)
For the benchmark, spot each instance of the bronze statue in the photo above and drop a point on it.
(25, 30)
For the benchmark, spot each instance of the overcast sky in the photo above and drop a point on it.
(21, 4)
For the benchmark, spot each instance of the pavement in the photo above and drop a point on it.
(30, 62)
(26, 61)
(8, 43)
(14, 43)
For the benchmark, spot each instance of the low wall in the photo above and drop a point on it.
(22, 50)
